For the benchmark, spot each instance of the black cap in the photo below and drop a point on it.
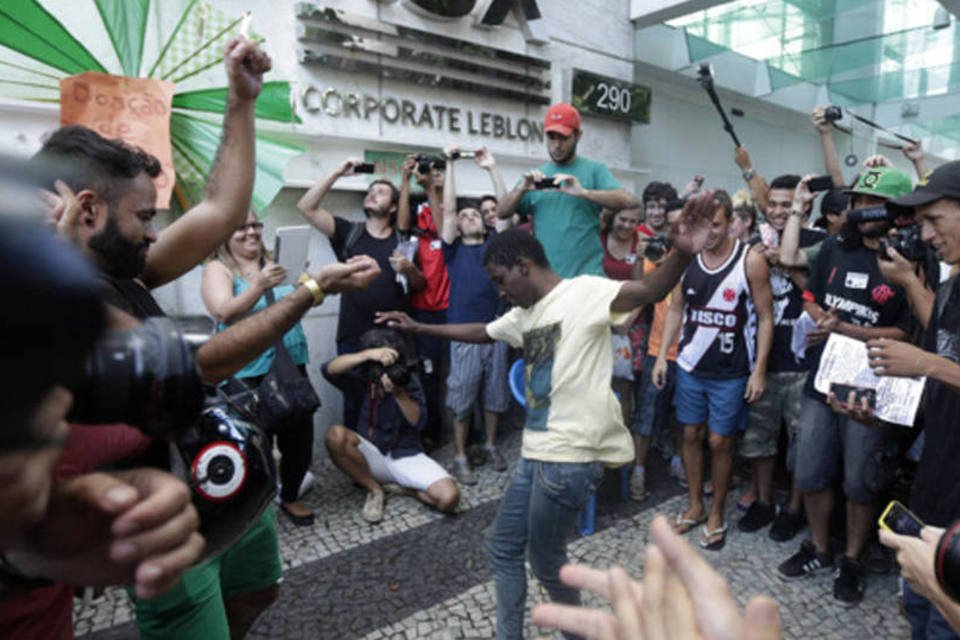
(834, 201)
(944, 182)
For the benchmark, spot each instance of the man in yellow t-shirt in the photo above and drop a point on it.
(574, 425)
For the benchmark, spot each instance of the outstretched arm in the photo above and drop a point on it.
(831, 161)
(690, 233)
(228, 351)
(472, 332)
(226, 202)
(310, 205)
(756, 183)
(448, 228)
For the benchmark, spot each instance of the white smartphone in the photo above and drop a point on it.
(290, 251)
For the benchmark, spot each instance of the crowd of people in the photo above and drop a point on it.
(692, 324)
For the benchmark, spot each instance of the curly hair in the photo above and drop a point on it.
(508, 247)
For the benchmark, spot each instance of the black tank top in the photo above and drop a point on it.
(718, 338)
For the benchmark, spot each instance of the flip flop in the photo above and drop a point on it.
(681, 525)
(716, 545)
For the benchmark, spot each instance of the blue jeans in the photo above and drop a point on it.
(538, 511)
(926, 621)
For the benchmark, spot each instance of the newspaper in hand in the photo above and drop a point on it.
(845, 361)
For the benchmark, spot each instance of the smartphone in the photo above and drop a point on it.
(290, 251)
(546, 183)
(463, 154)
(898, 519)
(820, 183)
(363, 167)
(842, 392)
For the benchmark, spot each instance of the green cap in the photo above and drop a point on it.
(882, 182)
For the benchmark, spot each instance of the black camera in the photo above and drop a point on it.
(401, 371)
(906, 241)
(427, 162)
(868, 214)
(146, 377)
(946, 561)
(705, 74)
(832, 113)
(657, 247)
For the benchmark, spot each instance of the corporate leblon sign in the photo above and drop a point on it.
(335, 103)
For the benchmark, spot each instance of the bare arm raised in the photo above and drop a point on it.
(310, 205)
(226, 202)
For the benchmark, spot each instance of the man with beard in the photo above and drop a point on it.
(566, 214)
(108, 206)
(376, 237)
(846, 293)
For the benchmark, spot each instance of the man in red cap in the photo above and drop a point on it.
(566, 212)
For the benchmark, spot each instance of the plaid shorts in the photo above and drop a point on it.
(476, 367)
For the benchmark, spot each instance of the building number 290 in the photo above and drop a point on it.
(613, 98)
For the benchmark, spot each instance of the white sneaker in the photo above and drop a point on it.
(307, 484)
(373, 507)
(638, 486)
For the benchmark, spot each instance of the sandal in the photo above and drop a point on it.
(681, 524)
(708, 534)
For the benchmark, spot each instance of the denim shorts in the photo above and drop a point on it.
(718, 403)
(651, 414)
(825, 439)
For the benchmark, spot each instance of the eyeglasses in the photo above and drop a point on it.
(250, 226)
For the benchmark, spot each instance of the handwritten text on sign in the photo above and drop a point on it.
(136, 110)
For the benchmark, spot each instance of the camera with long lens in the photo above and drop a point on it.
(146, 377)
(657, 247)
(832, 113)
(946, 561)
(427, 162)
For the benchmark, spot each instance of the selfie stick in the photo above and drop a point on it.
(705, 78)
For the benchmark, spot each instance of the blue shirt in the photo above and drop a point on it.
(295, 341)
(567, 226)
(473, 296)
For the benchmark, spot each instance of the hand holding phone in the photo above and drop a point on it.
(363, 167)
(820, 183)
(545, 183)
(860, 394)
(898, 519)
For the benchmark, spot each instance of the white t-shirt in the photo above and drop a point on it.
(572, 413)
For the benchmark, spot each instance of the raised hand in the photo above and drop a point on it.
(692, 229)
(354, 274)
(817, 119)
(913, 151)
(246, 63)
(484, 159)
(569, 185)
(270, 276)
(742, 158)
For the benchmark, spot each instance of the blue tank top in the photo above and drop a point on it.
(294, 340)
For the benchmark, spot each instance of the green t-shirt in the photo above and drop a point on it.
(811, 253)
(568, 226)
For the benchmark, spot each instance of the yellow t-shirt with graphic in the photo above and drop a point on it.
(572, 414)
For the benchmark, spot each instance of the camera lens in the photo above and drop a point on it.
(947, 561)
(146, 377)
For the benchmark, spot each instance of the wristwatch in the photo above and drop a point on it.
(312, 286)
(748, 174)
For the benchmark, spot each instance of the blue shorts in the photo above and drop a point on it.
(719, 403)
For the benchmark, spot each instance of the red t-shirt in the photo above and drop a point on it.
(619, 269)
(47, 613)
(436, 295)
(645, 230)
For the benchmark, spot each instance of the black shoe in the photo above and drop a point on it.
(848, 586)
(878, 559)
(300, 521)
(786, 525)
(804, 563)
(758, 515)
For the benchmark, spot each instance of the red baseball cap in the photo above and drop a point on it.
(562, 118)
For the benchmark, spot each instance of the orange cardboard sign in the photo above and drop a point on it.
(136, 110)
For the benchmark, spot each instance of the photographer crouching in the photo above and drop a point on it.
(385, 447)
(935, 497)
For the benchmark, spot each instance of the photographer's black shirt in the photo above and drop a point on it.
(936, 489)
(846, 276)
(381, 421)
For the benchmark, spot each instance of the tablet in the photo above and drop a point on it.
(290, 251)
